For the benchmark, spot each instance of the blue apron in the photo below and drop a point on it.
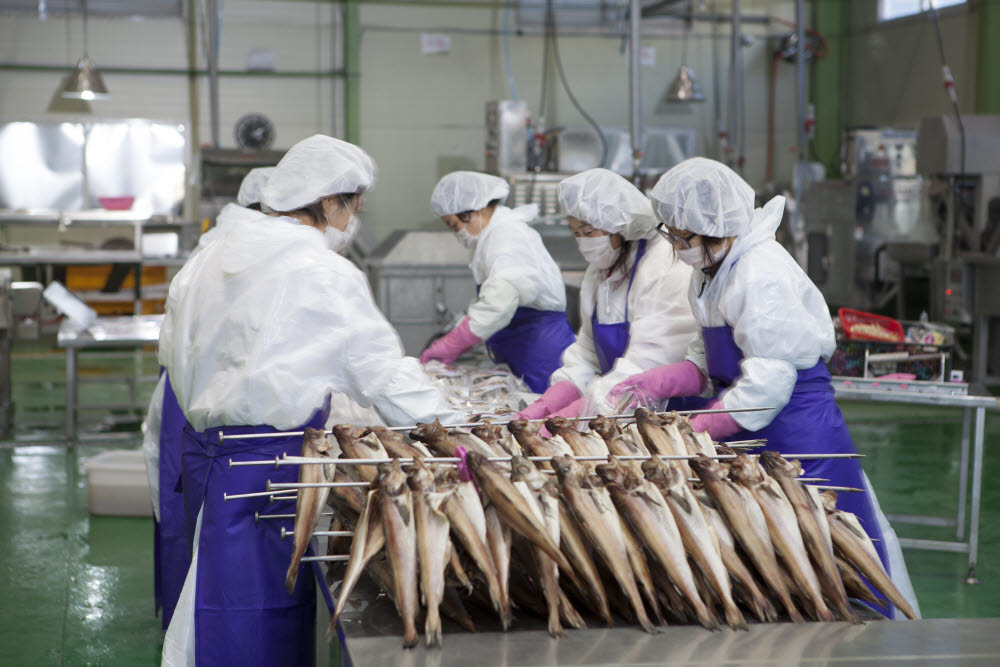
(611, 341)
(532, 345)
(243, 614)
(810, 421)
(172, 546)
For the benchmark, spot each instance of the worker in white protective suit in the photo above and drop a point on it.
(766, 335)
(520, 310)
(262, 326)
(251, 187)
(634, 310)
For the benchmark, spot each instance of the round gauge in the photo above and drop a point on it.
(254, 132)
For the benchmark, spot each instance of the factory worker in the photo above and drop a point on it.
(766, 335)
(520, 310)
(251, 187)
(633, 300)
(261, 326)
(162, 437)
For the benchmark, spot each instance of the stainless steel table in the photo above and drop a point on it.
(977, 401)
(106, 332)
(375, 638)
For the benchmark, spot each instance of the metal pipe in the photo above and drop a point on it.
(214, 29)
(319, 533)
(181, 71)
(327, 559)
(262, 517)
(800, 102)
(280, 434)
(635, 86)
(735, 83)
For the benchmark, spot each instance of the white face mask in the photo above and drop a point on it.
(466, 239)
(337, 240)
(597, 250)
(696, 257)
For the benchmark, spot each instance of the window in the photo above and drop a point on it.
(894, 9)
(145, 8)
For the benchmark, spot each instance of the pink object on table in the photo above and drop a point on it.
(555, 397)
(572, 410)
(116, 203)
(898, 376)
(450, 346)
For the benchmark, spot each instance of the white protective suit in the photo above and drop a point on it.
(779, 318)
(661, 324)
(513, 269)
(252, 185)
(265, 322)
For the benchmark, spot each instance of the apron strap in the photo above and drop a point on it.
(638, 256)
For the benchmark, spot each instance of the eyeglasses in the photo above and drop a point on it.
(682, 242)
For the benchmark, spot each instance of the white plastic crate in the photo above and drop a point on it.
(118, 484)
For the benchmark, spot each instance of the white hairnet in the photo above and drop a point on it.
(462, 191)
(252, 184)
(314, 168)
(605, 200)
(705, 197)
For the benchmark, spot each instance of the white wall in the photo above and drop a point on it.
(421, 116)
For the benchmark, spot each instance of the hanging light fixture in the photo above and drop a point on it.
(685, 87)
(85, 82)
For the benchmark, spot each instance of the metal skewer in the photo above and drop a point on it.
(325, 559)
(279, 434)
(319, 533)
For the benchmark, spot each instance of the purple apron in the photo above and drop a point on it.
(243, 614)
(810, 421)
(611, 341)
(172, 546)
(532, 345)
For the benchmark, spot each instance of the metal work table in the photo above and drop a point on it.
(106, 332)
(978, 400)
(375, 638)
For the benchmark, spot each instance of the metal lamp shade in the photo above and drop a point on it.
(685, 88)
(85, 82)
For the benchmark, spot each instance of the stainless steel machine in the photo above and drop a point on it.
(871, 231)
(960, 160)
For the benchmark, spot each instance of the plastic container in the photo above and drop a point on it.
(119, 485)
(859, 325)
(116, 203)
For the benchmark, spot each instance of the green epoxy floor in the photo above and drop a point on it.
(78, 589)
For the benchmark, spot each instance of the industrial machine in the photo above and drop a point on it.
(959, 157)
(869, 233)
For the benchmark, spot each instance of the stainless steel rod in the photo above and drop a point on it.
(319, 533)
(838, 489)
(280, 434)
(325, 559)
(261, 517)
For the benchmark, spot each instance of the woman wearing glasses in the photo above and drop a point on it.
(633, 309)
(520, 310)
(766, 334)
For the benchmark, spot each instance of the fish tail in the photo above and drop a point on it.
(292, 576)
(570, 614)
(734, 618)
(432, 627)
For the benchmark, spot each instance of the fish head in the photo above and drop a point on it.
(314, 442)
(488, 431)
(555, 424)
(774, 462)
(346, 433)
(655, 469)
(446, 477)
(708, 470)
(521, 468)
(645, 416)
(427, 432)
(476, 461)
(566, 467)
(829, 498)
(391, 478)
(420, 478)
(612, 472)
(522, 426)
(745, 470)
(604, 427)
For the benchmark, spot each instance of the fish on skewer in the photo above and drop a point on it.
(813, 525)
(310, 501)
(783, 528)
(853, 542)
(753, 597)
(697, 535)
(399, 527)
(432, 546)
(445, 442)
(526, 434)
(614, 440)
(855, 585)
(748, 525)
(582, 444)
(660, 438)
(360, 443)
(494, 435)
(597, 518)
(398, 446)
(642, 505)
(367, 542)
(513, 510)
(498, 540)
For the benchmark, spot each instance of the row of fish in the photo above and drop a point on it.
(696, 540)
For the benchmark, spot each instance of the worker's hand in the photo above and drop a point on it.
(571, 411)
(680, 379)
(555, 397)
(719, 425)
(450, 346)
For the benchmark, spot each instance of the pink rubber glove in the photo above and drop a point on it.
(680, 379)
(555, 397)
(574, 409)
(450, 346)
(719, 425)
